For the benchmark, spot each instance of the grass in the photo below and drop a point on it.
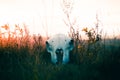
(25, 58)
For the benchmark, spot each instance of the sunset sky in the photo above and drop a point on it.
(43, 16)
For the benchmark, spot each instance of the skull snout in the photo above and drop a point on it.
(59, 53)
(59, 50)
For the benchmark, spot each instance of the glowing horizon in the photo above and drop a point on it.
(46, 17)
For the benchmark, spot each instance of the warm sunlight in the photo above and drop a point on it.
(48, 17)
(59, 39)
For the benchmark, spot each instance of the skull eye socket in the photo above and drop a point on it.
(48, 46)
(71, 42)
(47, 43)
(71, 45)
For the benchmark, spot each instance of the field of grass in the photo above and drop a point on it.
(25, 58)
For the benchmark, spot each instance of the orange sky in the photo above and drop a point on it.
(47, 15)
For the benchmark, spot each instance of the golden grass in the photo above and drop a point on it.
(25, 58)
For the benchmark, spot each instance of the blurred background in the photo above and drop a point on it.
(48, 17)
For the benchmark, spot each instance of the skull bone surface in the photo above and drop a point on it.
(59, 47)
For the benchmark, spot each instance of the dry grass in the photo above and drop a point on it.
(25, 58)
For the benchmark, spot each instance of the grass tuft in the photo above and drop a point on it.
(25, 58)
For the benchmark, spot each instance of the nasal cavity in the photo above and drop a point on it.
(59, 53)
(59, 50)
